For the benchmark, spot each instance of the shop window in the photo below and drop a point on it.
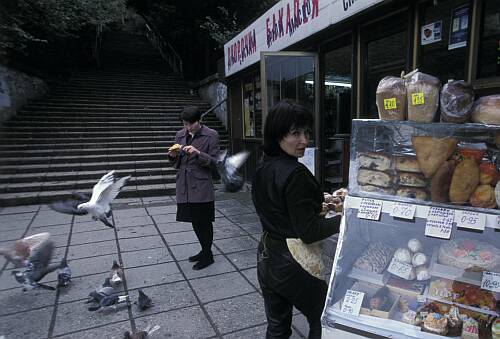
(489, 43)
(252, 108)
(385, 53)
(443, 39)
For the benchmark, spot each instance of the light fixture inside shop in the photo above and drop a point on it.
(331, 83)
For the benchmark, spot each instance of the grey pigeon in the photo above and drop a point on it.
(227, 166)
(144, 302)
(37, 267)
(141, 334)
(19, 253)
(70, 206)
(108, 301)
(116, 274)
(63, 274)
(99, 293)
(104, 192)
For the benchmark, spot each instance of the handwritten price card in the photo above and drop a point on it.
(439, 222)
(491, 281)
(469, 219)
(404, 211)
(370, 209)
(401, 269)
(352, 302)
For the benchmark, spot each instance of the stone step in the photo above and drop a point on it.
(126, 101)
(73, 119)
(134, 105)
(31, 198)
(123, 98)
(103, 109)
(80, 175)
(81, 185)
(108, 136)
(121, 94)
(85, 85)
(130, 115)
(88, 128)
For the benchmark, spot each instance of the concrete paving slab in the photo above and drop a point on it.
(19, 209)
(146, 257)
(235, 244)
(88, 266)
(113, 331)
(172, 227)
(244, 218)
(251, 275)
(244, 259)
(136, 231)
(252, 228)
(134, 221)
(8, 237)
(221, 286)
(165, 209)
(222, 221)
(92, 250)
(164, 218)
(14, 301)
(220, 265)
(183, 252)
(255, 332)
(32, 324)
(5, 218)
(180, 238)
(228, 211)
(152, 275)
(237, 313)
(228, 231)
(186, 323)
(228, 203)
(165, 298)
(131, 212)
(48, 218)
(75, 316)
(143, 243)
(91, 237)
(53, 230)
(15, 224)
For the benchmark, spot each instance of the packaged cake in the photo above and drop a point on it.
(457, 99)
(422, 91)
(486, 110)
(391, 98)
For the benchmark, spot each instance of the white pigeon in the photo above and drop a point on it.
(106, 189)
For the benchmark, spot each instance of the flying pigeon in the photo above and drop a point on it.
(63, 274)
(106, 189)
(116, 274)
(141, 334)
(228, 170)
(144, 302)
(108, 301)
(22, 248)
(99, 293)
(37, 267)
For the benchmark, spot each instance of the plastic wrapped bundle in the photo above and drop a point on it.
(486, 110)
(423, 97)
(457, 99)
(391, 99)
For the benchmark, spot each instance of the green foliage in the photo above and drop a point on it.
(222, 27)
(28, 22)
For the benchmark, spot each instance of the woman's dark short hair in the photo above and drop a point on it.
(284, 116)
(190, 114)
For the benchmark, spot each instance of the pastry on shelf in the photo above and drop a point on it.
(470, 329)
(432, 152)
(435, 323)
(441, 181)
(407, 164)
(411, 179)
(376, 178)
(376, 189)
(454, 322)
(470, 255)
(375, 258)
(413, 193)
(464, 181)
(483, 196)
(374, 161)
(488, 173)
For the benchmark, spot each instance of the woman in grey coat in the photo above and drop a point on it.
(194, 187)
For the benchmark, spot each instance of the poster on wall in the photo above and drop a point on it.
(459, 26)
(431, 33)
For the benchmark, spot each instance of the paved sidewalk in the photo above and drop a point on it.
(221, 301)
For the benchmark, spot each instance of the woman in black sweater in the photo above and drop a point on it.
(288, 200)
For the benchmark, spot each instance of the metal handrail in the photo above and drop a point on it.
(213, 107)
(166, 50)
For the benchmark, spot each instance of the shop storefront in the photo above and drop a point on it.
(330, 55)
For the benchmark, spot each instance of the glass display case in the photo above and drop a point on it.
(419, 266)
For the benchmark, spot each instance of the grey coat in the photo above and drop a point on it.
(194, 175)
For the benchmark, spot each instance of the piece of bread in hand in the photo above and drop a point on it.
(174, 148)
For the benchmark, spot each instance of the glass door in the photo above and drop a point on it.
(292, 75)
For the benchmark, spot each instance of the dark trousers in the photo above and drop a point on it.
(285, 284)
(205, 233)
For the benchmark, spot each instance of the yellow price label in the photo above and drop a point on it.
(390, 103)
(417, 98)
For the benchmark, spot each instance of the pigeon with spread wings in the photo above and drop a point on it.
(106, 189)
(21, 250)
(227, 166)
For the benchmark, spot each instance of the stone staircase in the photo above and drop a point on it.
(120, 118)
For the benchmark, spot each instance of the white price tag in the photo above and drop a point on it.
(370, 209)
(470, 219)
(352, 302)
(439, 222)
(401, 269)
(402, 210)
(491, 281)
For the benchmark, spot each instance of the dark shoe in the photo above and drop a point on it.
(196, 257)
(203, 263)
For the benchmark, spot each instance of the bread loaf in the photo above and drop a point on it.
(411, 179)
(391, 99)
(413, 193)
(374, 161)
(457, 99)
(422, 92)
(377, 178)
(486, 110)
(464, 181)
(407, 164)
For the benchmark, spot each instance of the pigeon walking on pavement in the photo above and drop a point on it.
(141, 334)
(228, 170)
(99, 293)
(104, 192)
(116, 274)
(37, 267)
(19, 253)
(109, 301)
(144, 302)
(63, 274)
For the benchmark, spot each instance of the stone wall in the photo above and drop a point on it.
(15, 90)
(214, 91)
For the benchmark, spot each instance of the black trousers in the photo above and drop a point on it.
(205, 233)
(285, 284)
